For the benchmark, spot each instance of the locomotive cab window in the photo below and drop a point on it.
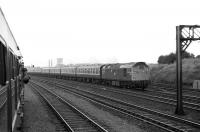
(128, 70)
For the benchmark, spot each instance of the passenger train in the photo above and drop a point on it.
(11, 75)
(129, 75)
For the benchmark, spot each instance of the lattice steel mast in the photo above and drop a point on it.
(185, 34)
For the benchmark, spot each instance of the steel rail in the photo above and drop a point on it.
(141, 117)
(194, 124)
(169, 86)
(188, 105)
(94, 124)
(187, 97)
(53, 109)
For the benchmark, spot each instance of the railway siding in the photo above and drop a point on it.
(137, 98)
(109, 117)
(180, 126)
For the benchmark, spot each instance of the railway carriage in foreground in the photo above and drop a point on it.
(11, 74)
(130, 75)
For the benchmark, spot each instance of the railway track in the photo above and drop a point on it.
(73, 119)
(149, 92)
(189, 102)
(171, 87)
(191, 95)
(162, 120)
(189, 98)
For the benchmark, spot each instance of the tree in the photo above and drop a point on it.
(171, 58)
(186, 54)
(167, 59)
(161, 59)
(198, 56)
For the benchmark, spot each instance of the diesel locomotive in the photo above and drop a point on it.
(128, 75)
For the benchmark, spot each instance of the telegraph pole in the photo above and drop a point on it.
(185, 34)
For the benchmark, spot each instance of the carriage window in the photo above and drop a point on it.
(125, 71)
(2, 65)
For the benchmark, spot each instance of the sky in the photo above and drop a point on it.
(98, 31)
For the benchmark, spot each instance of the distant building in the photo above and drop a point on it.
(59, 62)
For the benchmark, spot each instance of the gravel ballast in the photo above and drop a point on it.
(115, 122)
(36, 116)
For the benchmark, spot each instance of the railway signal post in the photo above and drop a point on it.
(185, 34)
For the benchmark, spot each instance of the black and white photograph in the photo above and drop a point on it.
(99, 66)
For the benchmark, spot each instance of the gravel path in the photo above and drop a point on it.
(36, 116)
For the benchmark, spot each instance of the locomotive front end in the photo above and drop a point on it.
(140, 74)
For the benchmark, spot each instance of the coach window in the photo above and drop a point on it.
(2, 64)
(125, 71)
(91, 70)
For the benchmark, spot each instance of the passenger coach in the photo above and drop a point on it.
(11, 74)
(129, 75)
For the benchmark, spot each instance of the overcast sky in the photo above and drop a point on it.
(103, 31)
